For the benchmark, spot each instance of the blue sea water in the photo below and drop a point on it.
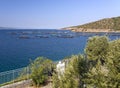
(17, 47)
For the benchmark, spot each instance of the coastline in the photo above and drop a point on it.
(92, 30)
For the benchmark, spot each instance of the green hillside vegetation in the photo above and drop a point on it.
(98, 67)
(108, 23)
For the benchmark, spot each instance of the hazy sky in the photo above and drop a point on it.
(55, 13)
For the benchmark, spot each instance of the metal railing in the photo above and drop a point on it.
(14, 75)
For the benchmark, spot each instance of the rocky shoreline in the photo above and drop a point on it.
(91, 30)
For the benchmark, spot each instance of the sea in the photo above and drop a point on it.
(19, 46)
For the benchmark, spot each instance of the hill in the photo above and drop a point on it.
(3, 28)
(103, 25)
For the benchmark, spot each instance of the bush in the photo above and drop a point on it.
(74, 73)
(41, 68)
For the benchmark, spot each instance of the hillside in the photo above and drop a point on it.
(104, 25)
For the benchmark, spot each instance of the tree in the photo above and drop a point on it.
(97, 76)
(71, 75)
(101, 75)
(96, 51)
(40, 68)
(98, 68)
(96, 48)
(56, 81)
(113, 62)
(74, 73)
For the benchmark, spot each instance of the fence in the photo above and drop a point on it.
(14, 75)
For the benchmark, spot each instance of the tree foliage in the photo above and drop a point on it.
(40, 68)
(98, 68)
(96, 48)
(113, 63)
(74, 73)
(106, 75)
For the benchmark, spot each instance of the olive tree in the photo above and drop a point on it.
(97, 48)
(40, 69)
(113, 62)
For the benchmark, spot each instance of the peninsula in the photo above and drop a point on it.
(103, 25)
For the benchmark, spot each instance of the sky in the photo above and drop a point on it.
(55, 14)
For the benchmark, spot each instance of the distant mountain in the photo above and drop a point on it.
(103, 25)
(3, 28)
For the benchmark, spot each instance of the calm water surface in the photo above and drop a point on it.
(17, 47)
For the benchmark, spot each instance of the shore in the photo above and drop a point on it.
(91, 30)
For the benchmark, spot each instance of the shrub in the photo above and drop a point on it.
(40, 70)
